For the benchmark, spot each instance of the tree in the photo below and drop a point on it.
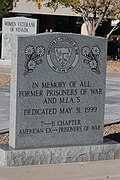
(93, 12)
(5, 7)
(117, 26)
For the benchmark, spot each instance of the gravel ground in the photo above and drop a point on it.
(4, 79)
(4, 138)
(113, 129)
(113, 66)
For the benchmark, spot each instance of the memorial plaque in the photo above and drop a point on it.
(57, 90)
(15, 25)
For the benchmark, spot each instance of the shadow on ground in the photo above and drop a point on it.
(112, 137)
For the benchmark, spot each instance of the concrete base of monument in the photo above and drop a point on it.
(109, 150)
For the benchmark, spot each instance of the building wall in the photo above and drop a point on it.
(31, 7)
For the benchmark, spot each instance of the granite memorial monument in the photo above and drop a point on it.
(57, 90)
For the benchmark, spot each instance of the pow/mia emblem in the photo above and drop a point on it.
(62, 54)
